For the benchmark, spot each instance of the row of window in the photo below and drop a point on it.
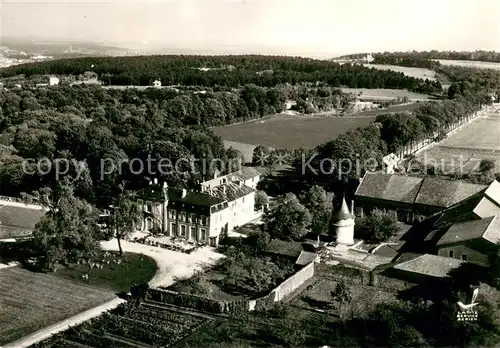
(192, 232)
(173, 214)
(184, 217)
(452, 254)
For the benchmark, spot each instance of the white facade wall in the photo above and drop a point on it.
(53, 81)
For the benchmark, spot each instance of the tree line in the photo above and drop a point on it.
(229, 71)
(485, 56)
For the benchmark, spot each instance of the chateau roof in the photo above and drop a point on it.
(245, 173)
(230, 191)
(155, 193)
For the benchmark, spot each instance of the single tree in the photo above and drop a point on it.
(261, 156)
(261, 199)
(318, 203)
(486, 165)
(257, 242)
(377, 227)
(341, 294)
(125, 214)
(69, 229)
(288, 219)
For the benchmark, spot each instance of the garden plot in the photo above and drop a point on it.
(32, 301)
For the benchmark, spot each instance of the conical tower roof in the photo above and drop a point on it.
(343, 213)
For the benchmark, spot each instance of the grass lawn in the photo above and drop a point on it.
(31, 301)
(133, 269)
(307, 131)
(276, 131)
(363, 297)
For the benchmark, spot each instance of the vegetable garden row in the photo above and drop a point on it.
(129, 326)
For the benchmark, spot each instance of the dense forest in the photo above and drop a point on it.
(86, 124)
(228, 71)
(484, 56)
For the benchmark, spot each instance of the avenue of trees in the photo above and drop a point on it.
(400, 132)
(228, 71)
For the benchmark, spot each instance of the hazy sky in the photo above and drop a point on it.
(313, 27)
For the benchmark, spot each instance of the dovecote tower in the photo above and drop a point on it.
(342, 224)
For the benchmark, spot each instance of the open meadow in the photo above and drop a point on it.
(468, 146)
(385, 94)
(419, 73)
(294, 131)
(283, 131)
(31, 301)
(469, 64)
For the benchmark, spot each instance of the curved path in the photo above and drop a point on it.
(171, 264)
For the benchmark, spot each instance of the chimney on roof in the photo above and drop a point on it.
(184, 193)
(155, 181)
(352, 206)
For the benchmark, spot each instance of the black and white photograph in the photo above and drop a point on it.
(249, 173)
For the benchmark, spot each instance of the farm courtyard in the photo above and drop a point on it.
(465, 149)
(31, 301)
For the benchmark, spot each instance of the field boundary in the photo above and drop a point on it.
(75, 320)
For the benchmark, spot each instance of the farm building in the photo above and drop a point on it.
(53, 81)
(413, 198)
(156, 83)
(425, 268)
(467, 231)
(359, 105)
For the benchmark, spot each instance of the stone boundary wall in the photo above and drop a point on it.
(352, 275)
(225, 307)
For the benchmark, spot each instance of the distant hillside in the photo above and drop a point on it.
(19, 48)
(229, 71)
(485, 56)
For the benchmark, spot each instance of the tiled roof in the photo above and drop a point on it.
(230, 191)
(155, 193)
(427, 191)
(493, 192)
(463, 231)
(445, 193)
(398, 188)
(246, 173)
(305, 258)
(486, 207)
(430, 265)
(389, 250)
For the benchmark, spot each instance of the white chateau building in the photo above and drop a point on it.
(220, 205)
